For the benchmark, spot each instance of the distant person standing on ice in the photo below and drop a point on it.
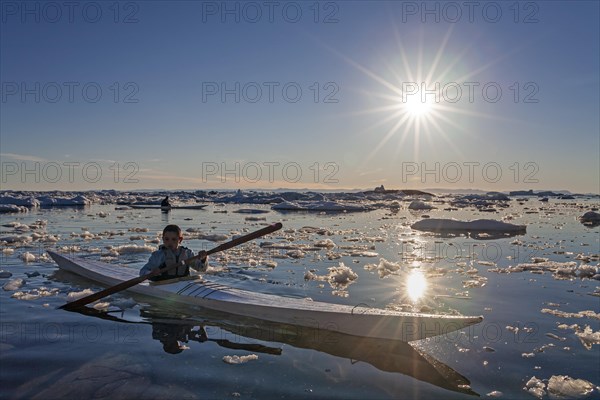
(165, 202)
(170, 253)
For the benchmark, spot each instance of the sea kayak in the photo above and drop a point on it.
(151, 206)
(359, 320)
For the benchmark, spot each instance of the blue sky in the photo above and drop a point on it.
(161, 120)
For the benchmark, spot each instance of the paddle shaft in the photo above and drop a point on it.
(132, 282)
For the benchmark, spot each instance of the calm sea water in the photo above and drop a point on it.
(49, 353)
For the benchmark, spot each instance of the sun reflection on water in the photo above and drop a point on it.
(416, 285)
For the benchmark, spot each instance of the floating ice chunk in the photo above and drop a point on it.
(8, 252)
(12, 224)
(13, 284)
(512, 329)
(69, 249)
(45, 258)
(495, 393)
(373, 239)
(318, 231)
(341, 276)
(553, 336)
(132, 248)
(328, 243)
(214, 237)
(536, 387)
(16, 239)
(384, 268)
(101, 306)
(12, 208)
(537, 260)
(311, 276)
(565, 386)
(477, 281)
(34, 294)
(72, 296)
(588, 337)
(239, 359)
(361, 253)
(587, 271)
(269, 263)
(296, 254)
(580, 314)
(50, 239)
(560, 270)
(419, 205)
(28, 257)
(139, 230)
(338, 277)
(24, 296)
(528, 355)
(487, 263)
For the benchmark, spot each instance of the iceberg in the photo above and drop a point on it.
(319, 206)
(478, 225)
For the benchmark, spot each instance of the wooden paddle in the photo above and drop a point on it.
(132, 282)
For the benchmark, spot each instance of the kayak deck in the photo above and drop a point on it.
(358, 320)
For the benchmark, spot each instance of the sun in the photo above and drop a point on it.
(416, 107)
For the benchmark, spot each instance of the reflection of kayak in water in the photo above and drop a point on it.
(166, 208)
(233, 332)
(359, 320)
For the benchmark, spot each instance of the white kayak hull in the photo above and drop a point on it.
(359, 320)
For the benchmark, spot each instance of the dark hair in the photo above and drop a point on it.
(172, 228)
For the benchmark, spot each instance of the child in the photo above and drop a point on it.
(170, 252)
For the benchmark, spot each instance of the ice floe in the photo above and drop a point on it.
(72, 296)
(35, 294)
(560, 270)
(130, 249)
(563, 314)
(28, 257)
(322, 206)
(384, 268)
(419, 205)
(339, 278)
(239, 359)
(536, 387)
(588, 337)
(566, 387)
(13, 284)
(479, 225)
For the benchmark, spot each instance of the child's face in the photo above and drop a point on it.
(171, 240)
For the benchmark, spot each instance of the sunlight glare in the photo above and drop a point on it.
(416, 107)
(416, 285)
